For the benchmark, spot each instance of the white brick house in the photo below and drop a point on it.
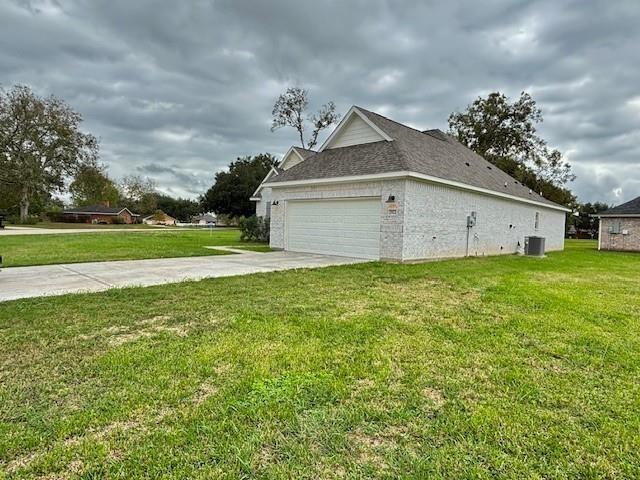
(379, 189)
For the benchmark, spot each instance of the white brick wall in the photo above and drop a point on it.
(261, 206)
(390, 224)
(430, 220)
(436, 219)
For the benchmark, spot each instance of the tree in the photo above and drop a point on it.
(40, 145)
(139, 194)
(92, 185)
(504, 133)
(232, 189)
(584, 219)
(180, 208)
(289, 111)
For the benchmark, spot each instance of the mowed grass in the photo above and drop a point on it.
(504, 367)
(92, 226)
(20, 250)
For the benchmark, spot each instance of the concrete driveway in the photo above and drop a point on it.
(24, 282)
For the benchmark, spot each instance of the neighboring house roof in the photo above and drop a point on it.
(631, 208)
(431, 154)
(165, 216)
(206, 217)
(99, 210)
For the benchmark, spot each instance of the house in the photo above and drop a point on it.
(620, 227)
(101, 213)
(382, 190)
(204, 219)
(159, 218)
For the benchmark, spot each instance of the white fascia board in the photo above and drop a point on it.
(413, 175)
(353, 111)
(262, 184)
(616, 215)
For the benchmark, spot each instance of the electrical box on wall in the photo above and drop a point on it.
(471, 220)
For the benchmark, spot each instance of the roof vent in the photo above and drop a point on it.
(467, 164)
(505, 184)
(489, 167)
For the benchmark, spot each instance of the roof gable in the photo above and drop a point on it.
(294, 156)
(354, 129)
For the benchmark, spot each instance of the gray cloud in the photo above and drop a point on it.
(177, 91)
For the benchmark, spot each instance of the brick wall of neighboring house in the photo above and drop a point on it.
(127, 216)
(97, 218)
(629, 241)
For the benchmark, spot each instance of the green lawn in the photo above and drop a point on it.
(506, 367)
(20, 250)
(66, 226)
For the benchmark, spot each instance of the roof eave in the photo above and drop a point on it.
(413, 175)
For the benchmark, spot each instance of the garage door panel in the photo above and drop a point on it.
(346, 227)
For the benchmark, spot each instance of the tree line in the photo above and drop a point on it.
(43, 152)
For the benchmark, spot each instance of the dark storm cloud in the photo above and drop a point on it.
(177, 91)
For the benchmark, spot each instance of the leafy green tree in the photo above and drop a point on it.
(504, 133)
(138, 194)
(232, 189)
(180, 208)
(41, 145)
(289, 111)
(92, 185)
(584, 220)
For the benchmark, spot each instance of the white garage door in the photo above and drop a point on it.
(335, 227)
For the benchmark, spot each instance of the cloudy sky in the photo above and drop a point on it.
(176, 90)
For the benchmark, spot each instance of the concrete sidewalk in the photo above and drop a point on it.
(24, 282)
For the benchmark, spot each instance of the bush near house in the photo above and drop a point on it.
(254, 229)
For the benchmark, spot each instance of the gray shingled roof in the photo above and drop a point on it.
(431, 152)
(630, 208)
(305, 152)
(96, 209)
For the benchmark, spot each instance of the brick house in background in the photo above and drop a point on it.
(620, 227)
(101, 213)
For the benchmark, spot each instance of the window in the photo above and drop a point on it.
(536, 223)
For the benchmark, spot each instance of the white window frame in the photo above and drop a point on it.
(536, 222)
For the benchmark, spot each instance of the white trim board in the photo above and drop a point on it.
(413, 175)
(345, 120)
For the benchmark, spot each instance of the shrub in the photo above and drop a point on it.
(118, 220)
(254, 229)
(30, 220)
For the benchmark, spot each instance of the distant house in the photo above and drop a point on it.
(159, 218)
(620, 227)
(99, 214)
(204, 219)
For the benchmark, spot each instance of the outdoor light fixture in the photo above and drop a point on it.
(391, 199)
(275, 203)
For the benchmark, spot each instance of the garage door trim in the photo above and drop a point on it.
(287, 223)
